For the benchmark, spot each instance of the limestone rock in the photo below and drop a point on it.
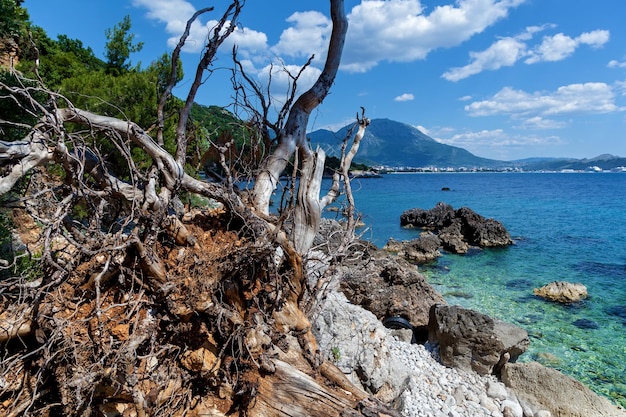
(357, 342)
(452, 238)
(474, 341)
(556, 392)
(562, 292)
(388, 286)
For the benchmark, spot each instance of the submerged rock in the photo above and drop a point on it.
(562, 292)
(618, 311)
(586, 324)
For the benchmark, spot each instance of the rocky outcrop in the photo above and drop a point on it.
(420, 251)
(384, 363)
(452, 238)
(474, 341)
(455, 231)
(482, 232)
(558, 393)
(434, 219)
(562, 292)
(388, 286)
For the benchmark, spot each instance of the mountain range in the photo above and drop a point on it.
(394, 144)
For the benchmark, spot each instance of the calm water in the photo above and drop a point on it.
(569, 227)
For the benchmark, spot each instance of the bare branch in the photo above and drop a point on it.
(23, 156)
(172, 81)
(293, 135)
(220, 32)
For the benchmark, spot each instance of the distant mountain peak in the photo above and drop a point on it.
(396, 144)
(603, 157)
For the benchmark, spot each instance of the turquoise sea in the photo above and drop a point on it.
(566, 226)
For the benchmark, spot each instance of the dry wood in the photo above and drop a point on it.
(290, 392)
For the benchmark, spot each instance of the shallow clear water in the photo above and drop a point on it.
(569, 227)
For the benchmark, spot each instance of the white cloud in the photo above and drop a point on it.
(465, 98)
(507, 51)
(176, 13)
(405, 97)
(479, 136)
(616, 64)
(560, 46)
(379, 30)
(282, 79)
(504, 52)
(422, 129)
(400, 31)
(539, 122)
(573, 98)
(531, 30)
(553, 48)
(621, 87)
(595, 39)
(477, 142)
(309, 34)
(496, 143)
(249, 40)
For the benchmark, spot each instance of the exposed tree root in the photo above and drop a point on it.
(229, 337)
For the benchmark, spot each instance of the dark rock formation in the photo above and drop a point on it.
(562, 292)
(420, 251)
(452, 238)
(482, 232)
(436, 218)
(457, 231)
(558, 393)
(388, 286)
(474, 341)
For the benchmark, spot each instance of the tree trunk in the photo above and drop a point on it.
(290, 392)
(294, 133)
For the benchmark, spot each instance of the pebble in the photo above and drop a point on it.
(511, 409)
(438, 391)
(496, 390)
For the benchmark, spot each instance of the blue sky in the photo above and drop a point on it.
(504, 79)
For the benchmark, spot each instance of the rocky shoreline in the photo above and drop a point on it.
(374, 284)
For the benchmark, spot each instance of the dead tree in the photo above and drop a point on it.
(132, 224)
(292, 140)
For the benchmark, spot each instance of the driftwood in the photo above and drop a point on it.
(291, 392)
